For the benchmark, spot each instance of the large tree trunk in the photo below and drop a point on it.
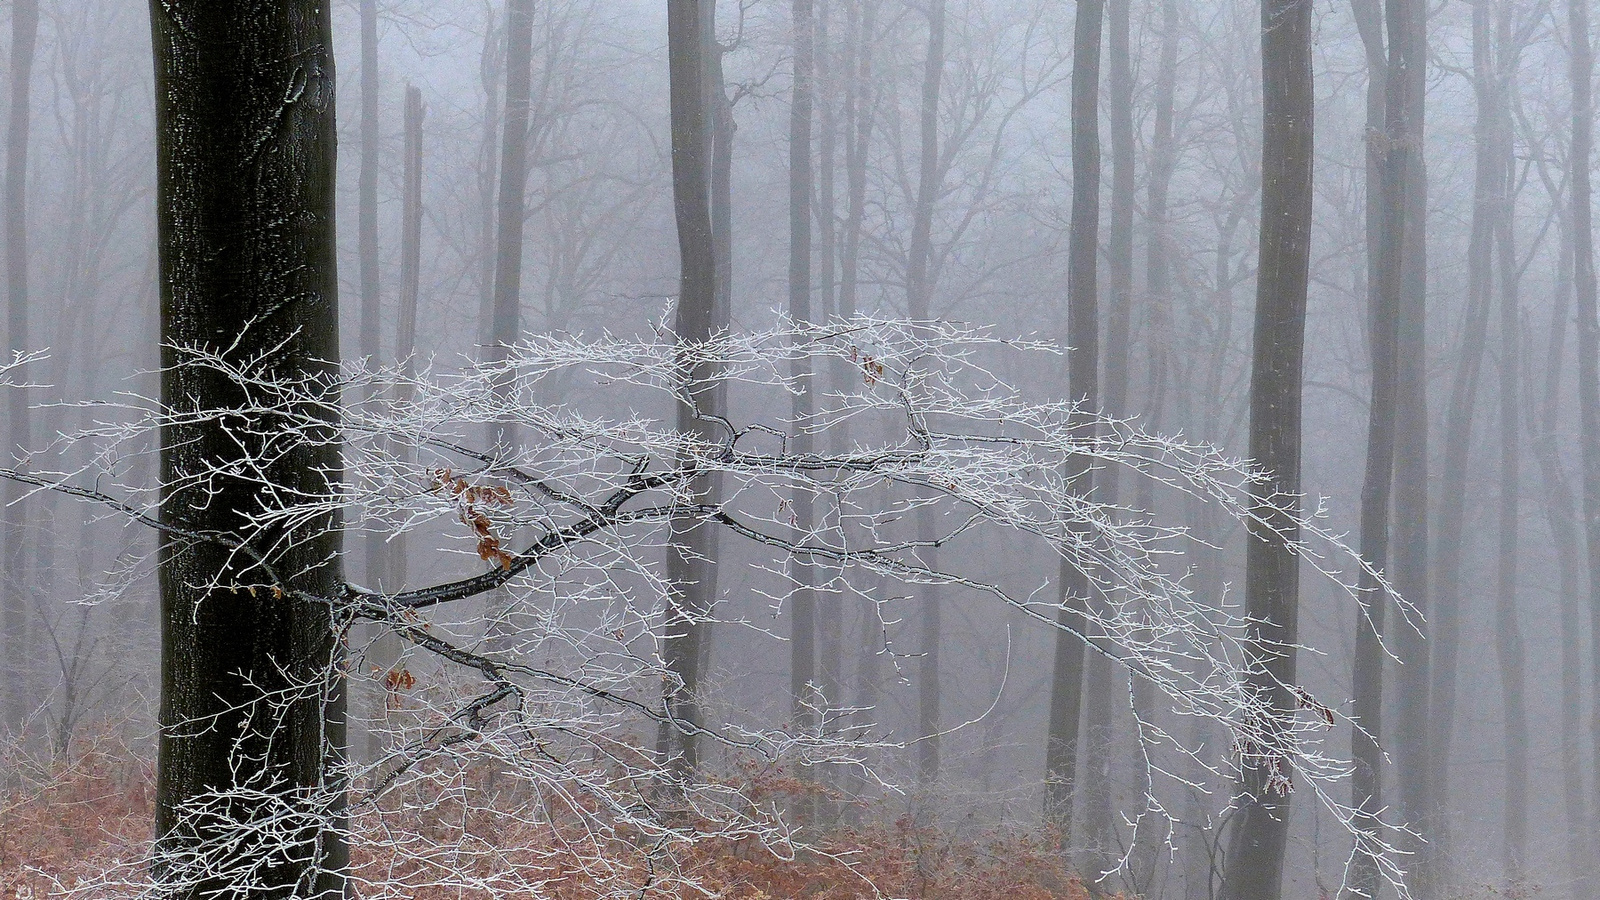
(697, 292)
(1261, 825)
(19, 431)
(247, 251)
(1083, 337)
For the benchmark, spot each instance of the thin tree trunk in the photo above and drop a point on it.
(491, 66)
(1409, 542)
(1588, 332)
(1509, 648)
(1101, 694)
(1457, 448)
(830, 608)
(367, 208)
(919, 299)
(803, 629)
(860, 114)
(384, 653)
(367, 238)
(506, 321)
(1544, 425)
(1260, 825)
(1388, 156)
(247, 250)
(721, 187)
(697, 292)
(859, 102)
(1083, 337)
(505, 326)
(18, 436)
(1194, 846)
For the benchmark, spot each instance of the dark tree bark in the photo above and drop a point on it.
(19, 431)
(247, 259)
(1083, 337)
(506, 320)
(1260, 827)
(697, 291)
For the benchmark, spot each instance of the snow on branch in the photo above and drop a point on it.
(557, 687)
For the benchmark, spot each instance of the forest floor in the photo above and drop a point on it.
(70, 824)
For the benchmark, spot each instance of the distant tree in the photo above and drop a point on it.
(1582, 74)
(1260, 827)
(1083, 377)
(688, 556)
(510, 217)
(919, 297)
(14, 593)
(1388, 157)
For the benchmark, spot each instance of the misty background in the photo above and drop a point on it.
(600, 254)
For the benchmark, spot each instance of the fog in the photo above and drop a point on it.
(1488, 499)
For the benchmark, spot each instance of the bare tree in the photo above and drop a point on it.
(1582, 72)
(1459, 416)
(1390, 140)
(510, 215)
(1260, 826)
(367, 236)
(919, 289)
(1510, 650)
(1083, 336)
(687, 606)
(803, 621)
(14, 599)
(252, 726)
